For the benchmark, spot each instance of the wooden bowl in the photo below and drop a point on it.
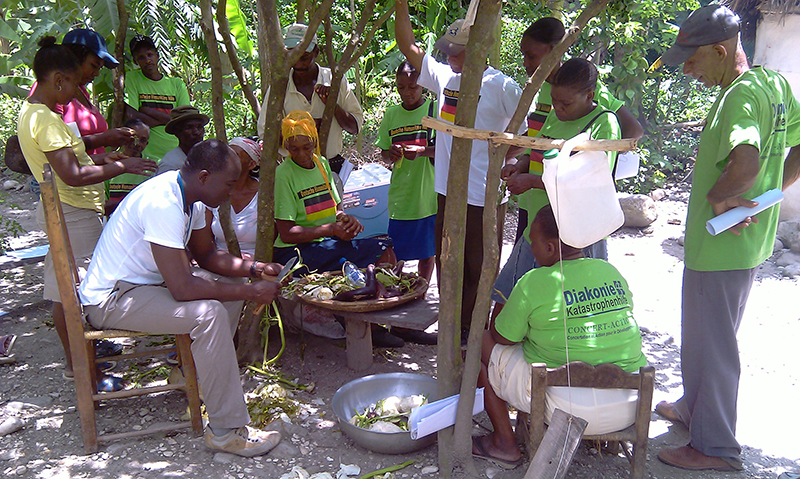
(367, 305)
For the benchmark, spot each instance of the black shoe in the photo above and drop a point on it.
(104, 348)
(415, 336)
(381, 338)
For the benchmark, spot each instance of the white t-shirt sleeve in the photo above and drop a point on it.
(199, 216)
(511, 96)
(434, 75)
(165, 225)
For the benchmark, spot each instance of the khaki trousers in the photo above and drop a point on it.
(211, 325)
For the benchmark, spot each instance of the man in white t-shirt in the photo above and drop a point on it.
(499, 97)
(140, 279)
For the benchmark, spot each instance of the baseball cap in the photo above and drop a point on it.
(294, 35)
(454, 40)
(94, 42)
(705, 26)
(139, 41)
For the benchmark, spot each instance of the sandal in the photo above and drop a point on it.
(6, 343)
(477, 444)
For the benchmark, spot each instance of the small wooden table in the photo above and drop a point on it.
(418, 314)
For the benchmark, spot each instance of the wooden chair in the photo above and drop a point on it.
(82, 339)
(605, 376)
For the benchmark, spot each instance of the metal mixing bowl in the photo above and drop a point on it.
(359, 394)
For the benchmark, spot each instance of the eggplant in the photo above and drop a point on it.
(393, 291)
(398, 268)
(369, 291)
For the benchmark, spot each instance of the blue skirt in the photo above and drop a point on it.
(413, 239)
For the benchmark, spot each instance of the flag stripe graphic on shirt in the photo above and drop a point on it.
(536, 119)
(320, 206)
(449, 105)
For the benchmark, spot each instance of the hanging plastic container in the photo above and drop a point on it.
(582, 194)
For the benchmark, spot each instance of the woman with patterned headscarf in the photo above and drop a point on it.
(244, 199)
(308, 209)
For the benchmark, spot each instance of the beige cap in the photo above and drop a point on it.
(454, 40)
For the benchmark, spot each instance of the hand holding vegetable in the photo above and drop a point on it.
(346, 227)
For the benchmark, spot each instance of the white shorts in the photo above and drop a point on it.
(606, 410)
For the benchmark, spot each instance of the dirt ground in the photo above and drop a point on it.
(50, 446)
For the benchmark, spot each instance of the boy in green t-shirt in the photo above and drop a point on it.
(570, 300)
(412, 200)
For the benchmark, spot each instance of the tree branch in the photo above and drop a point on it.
(225, 32)
(118, 74)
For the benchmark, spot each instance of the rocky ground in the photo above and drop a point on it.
(49, 445)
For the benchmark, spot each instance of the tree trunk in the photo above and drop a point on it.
(225, 32)
(276, 64)
(462, 446)
(456, 452)
(118, 74)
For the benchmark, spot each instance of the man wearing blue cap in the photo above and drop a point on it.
(741, 155)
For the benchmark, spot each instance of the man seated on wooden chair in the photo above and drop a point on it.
(140, 279)
(599, 329)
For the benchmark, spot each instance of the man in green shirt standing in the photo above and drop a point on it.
(741, 155)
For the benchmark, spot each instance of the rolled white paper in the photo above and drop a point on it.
(733, 217)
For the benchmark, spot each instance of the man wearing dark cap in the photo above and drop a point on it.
(188, 125)
(150, 96)
(741, 155)
(308, 90)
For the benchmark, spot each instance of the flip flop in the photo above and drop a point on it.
(6, 343)
(477, 443)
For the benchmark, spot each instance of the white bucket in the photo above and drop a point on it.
(582, 194)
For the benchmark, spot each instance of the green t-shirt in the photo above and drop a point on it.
(757, 109)
(164, 95)
(600, 327)
(604, 127)
(411, 193)
(303, 196)
(543, 106)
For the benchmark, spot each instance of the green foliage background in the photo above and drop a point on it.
(624, 41)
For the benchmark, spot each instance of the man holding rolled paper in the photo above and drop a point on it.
(741, 156)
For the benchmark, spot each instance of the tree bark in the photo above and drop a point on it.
(455, 453)
(462, 444)
(225, 32)
(275, 63)
(218, 113)
(118, 74)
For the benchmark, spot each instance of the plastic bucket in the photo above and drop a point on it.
(582, 194)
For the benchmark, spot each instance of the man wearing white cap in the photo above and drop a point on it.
(499, 97)
(308, 90)
(741, 155)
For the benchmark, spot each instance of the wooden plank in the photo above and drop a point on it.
(414, 315)
(524, 141)
(558, 447)
(359, 344)
(126, 393)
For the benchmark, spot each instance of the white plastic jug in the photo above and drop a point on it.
(582, 194)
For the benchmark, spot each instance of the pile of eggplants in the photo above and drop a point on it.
(373, 289)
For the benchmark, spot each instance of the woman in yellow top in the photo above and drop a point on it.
(45, 138)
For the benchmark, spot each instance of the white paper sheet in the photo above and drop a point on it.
(438, 415)
(733, 217)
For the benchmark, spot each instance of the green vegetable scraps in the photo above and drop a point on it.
(393, 410)
(338, 283)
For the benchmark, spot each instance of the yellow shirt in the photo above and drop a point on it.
(41, 130)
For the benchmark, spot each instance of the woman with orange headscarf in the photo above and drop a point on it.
(308, 209)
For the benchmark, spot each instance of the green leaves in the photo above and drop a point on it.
(238, 26)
